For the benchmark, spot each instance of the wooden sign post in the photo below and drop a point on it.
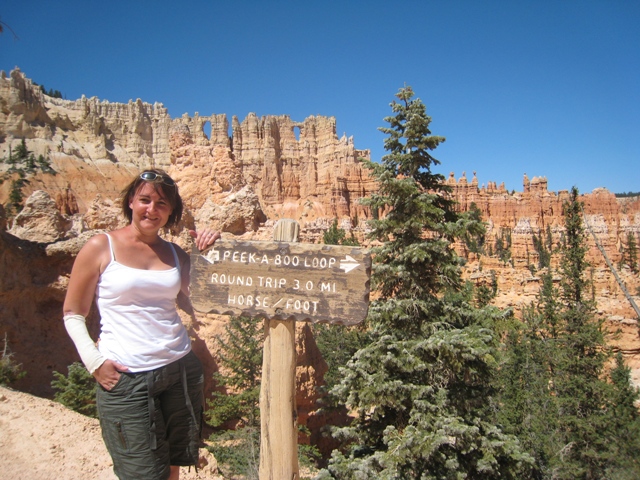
(282, 281)
(278, 412)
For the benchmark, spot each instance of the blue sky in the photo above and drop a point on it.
(550, 88)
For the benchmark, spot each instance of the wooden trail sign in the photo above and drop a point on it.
(282, 281)
(279, 280)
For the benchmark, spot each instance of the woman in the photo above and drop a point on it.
(150, 383)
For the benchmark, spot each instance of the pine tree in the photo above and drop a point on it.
(337, 236)
(528, 408)
(474, 242)
(581, 392)
(16, 196)
(422, 388)
(31, 162)
(234, 410)
(544, 254)
(624, 420)
(240, 353)
(631, 252)
(503, 246)
(549, 239)
(21, 153)
(44, 164)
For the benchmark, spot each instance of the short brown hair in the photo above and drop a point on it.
(162, 184)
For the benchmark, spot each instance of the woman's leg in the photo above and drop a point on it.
(175, 473)
(126, 424)
(182, 407)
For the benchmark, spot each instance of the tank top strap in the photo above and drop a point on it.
(175, 256)
(113, 254)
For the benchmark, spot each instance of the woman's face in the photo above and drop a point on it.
(150, 209)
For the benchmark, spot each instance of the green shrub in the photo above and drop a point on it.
(77, 390)
(338, 236)
(10, 371)
(237, 452)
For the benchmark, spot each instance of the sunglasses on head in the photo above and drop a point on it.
(154, 177)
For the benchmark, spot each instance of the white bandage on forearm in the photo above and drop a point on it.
(76, 326)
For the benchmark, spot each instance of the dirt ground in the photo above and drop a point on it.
(42, 440)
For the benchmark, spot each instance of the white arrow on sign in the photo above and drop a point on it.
(348, 264)
(212, 256)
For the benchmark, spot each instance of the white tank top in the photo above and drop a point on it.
(140, 325)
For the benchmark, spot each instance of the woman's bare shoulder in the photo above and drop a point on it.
(95, 251)
(97, 242)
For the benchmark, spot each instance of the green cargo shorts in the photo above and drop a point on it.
(152, 420)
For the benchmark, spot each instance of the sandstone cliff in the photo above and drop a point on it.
(281, 167)
(242, 181)
(519, 218)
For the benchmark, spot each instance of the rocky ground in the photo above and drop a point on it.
(42, 440)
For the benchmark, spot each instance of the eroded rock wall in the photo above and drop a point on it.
(292, 169)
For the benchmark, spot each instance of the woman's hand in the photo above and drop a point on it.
(204, 238)
(108, 373)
